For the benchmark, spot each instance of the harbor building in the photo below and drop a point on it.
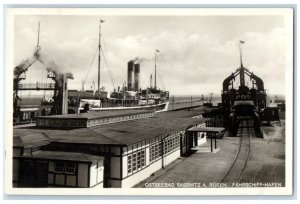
(65, 169)
(120, 153)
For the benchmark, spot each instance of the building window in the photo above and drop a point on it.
(59, 166)
(129, 167)
(70, 168)
(136, 161)
(155, 151)
(171, 144)
(143, 158)
(65, 167)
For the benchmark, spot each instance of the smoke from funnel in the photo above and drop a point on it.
(138, 60)
(23, 66)
(48, 63)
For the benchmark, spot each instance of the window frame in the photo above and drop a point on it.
(62, 167)
(72, 167)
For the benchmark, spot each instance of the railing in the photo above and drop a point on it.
(36, 86)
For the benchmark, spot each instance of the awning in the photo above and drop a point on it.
(207, 129)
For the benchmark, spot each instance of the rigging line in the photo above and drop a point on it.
(107, 62)
(161, 81)
(90, 67)
(123, 79)
(105, 49)
(107, 59)
(109, 72)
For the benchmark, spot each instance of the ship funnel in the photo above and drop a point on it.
(130, 75)
(136, 77)
(65, 95)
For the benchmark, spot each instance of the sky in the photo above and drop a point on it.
(196, 52)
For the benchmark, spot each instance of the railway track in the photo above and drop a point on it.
(236, 170)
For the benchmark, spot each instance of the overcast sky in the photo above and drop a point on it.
(197, 52)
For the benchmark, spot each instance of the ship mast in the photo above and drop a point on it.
(38, 41)
(99, 55)
(242, 75)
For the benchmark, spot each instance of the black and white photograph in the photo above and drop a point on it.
(192, 101)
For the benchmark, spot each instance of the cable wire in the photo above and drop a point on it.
(90, 67)
(108, 70)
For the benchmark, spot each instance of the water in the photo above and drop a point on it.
(179, 101)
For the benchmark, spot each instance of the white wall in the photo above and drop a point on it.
(125, 167)
(201, 140)
(171, 157)
(99, 186)
(96, 174)
(100, 173)
(147, 156)
(93, 174)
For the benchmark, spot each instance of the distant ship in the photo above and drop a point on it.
(129, 96)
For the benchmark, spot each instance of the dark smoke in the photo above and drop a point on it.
(23, 66)
(138, 60)
(48, 63)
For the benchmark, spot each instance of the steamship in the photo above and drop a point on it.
(129, 96)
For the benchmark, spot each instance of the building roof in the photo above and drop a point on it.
(96, 114)
(207, 129)
(32, 139)
(66, 156)
(122, 133)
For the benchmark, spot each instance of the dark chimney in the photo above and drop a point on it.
(65, 95)
(130, 75)
(136, 77)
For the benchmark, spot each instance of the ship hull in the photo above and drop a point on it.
(157, 108)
